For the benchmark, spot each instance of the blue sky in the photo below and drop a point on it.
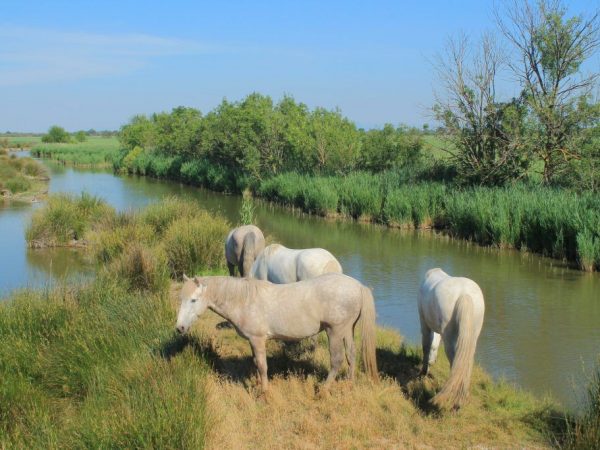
(95, 64)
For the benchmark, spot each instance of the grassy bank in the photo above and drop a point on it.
(165, 239)
(94, 152)
(99, 366)
(21, 179)
(93, 368)
(553, 222)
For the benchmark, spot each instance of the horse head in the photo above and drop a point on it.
(193, 303)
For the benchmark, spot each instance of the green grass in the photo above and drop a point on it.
(167, 238)
(94, 152)
(552, 222)
(21, 142)
(435, 146)
(92, 368)
(66, 219)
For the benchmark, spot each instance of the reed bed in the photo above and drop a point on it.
(552, 222)
(147, 247)
(95, 152)
(21, 178)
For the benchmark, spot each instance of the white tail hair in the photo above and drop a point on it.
(456, 390)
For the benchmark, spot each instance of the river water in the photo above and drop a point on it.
(542, 324)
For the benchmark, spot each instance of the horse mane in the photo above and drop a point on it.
(222, 289)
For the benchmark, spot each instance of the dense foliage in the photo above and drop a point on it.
(240, 143)
(56, 135)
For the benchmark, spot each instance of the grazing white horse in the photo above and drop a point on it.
(261, 310)
(242, 246)
(451, 309)
(279, 264)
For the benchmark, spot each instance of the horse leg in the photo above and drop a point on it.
(336, 353)
(435, 345)
(426, 341)
(350, 352)
(231, 268)
(259, 351)
(450, 337)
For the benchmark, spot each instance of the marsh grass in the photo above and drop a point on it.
(194, 245)
(65, 220)
(552, 222)
(21, 178)
(94, 152)
(584, 431)
(141, 248)
(87, 368)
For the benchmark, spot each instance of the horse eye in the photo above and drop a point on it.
(193, 300)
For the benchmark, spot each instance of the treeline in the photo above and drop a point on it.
(58, 135)
(238, 144)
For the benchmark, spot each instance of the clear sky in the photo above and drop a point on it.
(84, 64)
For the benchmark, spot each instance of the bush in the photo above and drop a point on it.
(65, 219)
(141, 268)
(195, 244)
(162, 214)
(56, 134)
(109, 241)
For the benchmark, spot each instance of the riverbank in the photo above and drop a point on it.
(100, 366)
(22, 179)
(74, 354)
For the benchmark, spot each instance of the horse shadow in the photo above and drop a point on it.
(241, 368)
(404, 367)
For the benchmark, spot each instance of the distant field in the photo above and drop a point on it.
(434, 145)
(95, 152)
(19, 141)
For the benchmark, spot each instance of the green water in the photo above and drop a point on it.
(542, 325)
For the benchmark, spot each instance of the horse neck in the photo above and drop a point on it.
(226, 296)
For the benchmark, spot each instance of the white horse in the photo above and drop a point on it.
(279, 264)
(260, 310)
(242, 246)
(452, 309)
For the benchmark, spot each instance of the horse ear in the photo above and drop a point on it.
(185, 277)
(197, 281)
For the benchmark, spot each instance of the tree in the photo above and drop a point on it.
(486, 134)
(139, 132)
(389, 147)
(550, 49)
(56, 134)
(80, 136)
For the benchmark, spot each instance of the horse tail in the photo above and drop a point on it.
(248, 253)
(368, 348)
(456, 390)
(332, 266)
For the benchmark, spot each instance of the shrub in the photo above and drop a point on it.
(195, 244)
(66, 218)
(141, 268)
(111, 239)
(162, 214)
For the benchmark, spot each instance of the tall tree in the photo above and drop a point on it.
(550, 49)
(486, 134)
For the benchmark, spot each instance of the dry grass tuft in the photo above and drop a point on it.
(392, 414)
